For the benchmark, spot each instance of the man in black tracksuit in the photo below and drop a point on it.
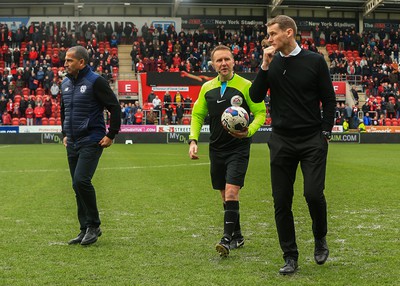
(85, 94)
(299, 82)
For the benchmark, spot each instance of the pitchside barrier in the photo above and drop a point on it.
(131, 134)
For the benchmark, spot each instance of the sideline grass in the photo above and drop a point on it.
(161, 220)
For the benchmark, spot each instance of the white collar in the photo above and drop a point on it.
(293, 53)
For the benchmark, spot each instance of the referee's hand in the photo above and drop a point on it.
(193, 151)
(240, 134)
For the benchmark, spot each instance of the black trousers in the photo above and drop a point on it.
(286, 152)
(83, 162)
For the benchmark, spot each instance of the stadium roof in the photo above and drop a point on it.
(337, 5)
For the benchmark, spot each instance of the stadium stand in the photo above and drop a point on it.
(370, 63)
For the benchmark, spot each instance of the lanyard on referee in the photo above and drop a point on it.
(223, 88)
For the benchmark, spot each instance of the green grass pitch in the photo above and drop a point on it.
(161, 220)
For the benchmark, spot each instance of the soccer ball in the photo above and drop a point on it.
(235, 118)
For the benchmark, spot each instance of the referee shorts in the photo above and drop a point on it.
(229, 166)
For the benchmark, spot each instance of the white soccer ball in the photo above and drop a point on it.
(235, 118)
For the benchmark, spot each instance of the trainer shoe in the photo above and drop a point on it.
(321, 251)
(77, 239)
(223, 247)
(92, 233)
(290, 266)
(236, 242)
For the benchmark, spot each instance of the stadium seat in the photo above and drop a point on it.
(45, 121)
(17, 98)
(186, 121)
(395, 122)
(52, 121)
(15, 121)
(55, 71)
(147, 106)
(58, 121)
(22, 121)
(39, 91)
(26, 91)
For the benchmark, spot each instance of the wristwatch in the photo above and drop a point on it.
(327, 134)
(192, 140)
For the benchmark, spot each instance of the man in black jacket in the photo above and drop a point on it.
(85, 94)
(298, 81)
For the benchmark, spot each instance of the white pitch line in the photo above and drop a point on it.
(106, 168)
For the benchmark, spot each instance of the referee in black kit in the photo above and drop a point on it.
(299, 84)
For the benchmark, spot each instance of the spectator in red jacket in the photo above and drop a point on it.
(55, 60)
(10, 106)
(6, 117)
(138, 117)
(33, 56)
(39, 112)
(29, 115)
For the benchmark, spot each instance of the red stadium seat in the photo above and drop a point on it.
(45, 121)
(58, 121)
(15, 121)
(52, 121)
(39, 91)
(17, 98)
(147, 106)
(55, 71)
(26, 91)
(22, 121)
(186, 121)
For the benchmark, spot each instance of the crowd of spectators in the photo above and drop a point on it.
(31, 68)
(32, 57)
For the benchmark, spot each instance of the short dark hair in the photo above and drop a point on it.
(80, 53)
(219, 48)
(284, 22)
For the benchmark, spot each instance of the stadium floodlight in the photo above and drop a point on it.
(275, 4)
(371, 5)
